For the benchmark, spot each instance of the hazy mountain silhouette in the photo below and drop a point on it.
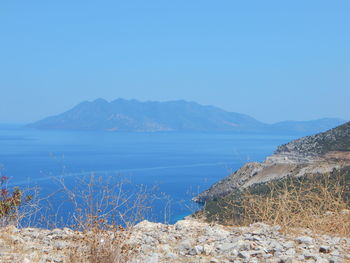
(133, 115)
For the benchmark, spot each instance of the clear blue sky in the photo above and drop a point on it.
(274, 60)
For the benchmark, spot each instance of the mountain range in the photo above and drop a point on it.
(152, 116)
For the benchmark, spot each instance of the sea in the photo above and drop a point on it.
(173, 166)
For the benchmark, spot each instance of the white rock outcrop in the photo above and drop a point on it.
(188, 241)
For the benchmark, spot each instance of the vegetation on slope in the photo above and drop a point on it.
(314, 201)
(337, 139)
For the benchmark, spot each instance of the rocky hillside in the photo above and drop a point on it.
(337, 139)
(317, 154)
(186, 241)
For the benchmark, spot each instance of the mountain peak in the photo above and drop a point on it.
(100, 101)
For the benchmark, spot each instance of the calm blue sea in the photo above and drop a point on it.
(179, 164)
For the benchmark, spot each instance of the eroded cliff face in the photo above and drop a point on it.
(317, 154)
(276, 166)
(187, 241)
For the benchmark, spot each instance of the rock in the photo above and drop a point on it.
(199, 249)
(321, 260)
(284, 260)
(207, 249)
(26, 260)
(290, 252)
(276, 246)
(16, 239)
(192, 252)
(60, 245)
(244, 254)
(289, 244)
(226, 246)
(202, 239)
(325, 249)
(304, 240)
(345, 212)
(257, 253)
(242, 245)
(310, 256)
(171, 256)
(185, 245)
(154, 258)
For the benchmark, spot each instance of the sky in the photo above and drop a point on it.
(273, 60)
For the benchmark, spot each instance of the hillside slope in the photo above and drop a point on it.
(337, 139)
(317, 154)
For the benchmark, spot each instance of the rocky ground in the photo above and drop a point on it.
(187, 241)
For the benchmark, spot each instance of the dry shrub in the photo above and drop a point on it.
(18, 205)
(102, 246)
(317, 202)
(104, 212)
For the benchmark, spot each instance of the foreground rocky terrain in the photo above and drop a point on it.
(188, 240)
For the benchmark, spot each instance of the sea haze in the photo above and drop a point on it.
(180, 164)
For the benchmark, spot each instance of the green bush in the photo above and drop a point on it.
(10, 202)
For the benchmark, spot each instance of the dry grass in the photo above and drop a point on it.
(104, 212)
(100, 210)
(319, 203)
(102, 246)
